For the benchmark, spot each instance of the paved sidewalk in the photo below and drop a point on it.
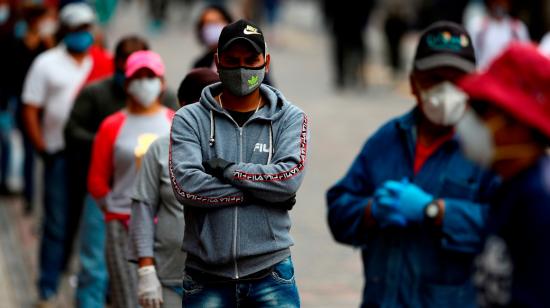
(19, 239)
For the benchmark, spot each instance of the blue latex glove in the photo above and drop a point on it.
(384, 209)
(411, 199)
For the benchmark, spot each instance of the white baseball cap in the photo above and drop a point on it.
(76, 14)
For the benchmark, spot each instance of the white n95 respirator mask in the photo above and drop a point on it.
(443, 104)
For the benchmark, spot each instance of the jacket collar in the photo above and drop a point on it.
(407, 122)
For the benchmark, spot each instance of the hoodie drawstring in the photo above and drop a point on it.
(212, 129)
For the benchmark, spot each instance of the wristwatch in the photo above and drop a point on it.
(433, 212)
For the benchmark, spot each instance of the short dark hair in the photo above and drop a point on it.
(191, 86)
(132, 42)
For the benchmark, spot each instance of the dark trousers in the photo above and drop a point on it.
(395, 28)
(53, 253)
(349, 57)
(77, 165)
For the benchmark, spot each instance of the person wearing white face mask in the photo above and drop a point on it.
(413, 203)
(208, 28)
(508, 130)
(123, 138)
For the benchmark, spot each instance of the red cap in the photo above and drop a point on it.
(144, 59)
(518, 82)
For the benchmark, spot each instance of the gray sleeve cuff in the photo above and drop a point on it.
(142, 230)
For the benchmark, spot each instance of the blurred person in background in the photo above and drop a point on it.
(40, 35)
(272, 11)
(535, 14)
(208, 28)
(411, 201)
(102, 67)
(119, 145)
(105, 10)
(262, 12)
(94, 103)
(493, 32)
(53, 81)
(347, 21)
(508, 130)
(8, 17)
(237, 160)
(440, 10)
(157, 223)
(157, 13)
(400, 17)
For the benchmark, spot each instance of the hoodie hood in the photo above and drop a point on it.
(274, 100)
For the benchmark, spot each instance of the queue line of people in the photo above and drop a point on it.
(464, 183)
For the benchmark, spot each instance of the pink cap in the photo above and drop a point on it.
(144, 58)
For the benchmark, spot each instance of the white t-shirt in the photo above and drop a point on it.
(491, 37)
(544, 45)
(52, 83)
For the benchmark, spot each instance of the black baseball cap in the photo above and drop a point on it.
(242, 30)
(445, 43)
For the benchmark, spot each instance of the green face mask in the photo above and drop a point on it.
(242, 81)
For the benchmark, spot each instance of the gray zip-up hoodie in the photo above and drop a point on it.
(225, 233)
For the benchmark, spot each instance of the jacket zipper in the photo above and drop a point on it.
(236, 220)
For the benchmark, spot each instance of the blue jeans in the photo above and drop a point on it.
(278, 289)
(178, 290)
(52, 246)
(93, 278)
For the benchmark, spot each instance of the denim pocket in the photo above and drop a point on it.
(190, 286)
(283, 271)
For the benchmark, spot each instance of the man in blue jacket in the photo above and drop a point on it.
(411, 201)
(237, 159)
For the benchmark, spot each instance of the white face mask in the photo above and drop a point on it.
(47, 28)
(476, 139)
(443, 104)
(211, 33)
(145, 90)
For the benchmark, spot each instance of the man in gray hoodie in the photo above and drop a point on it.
(237, 159)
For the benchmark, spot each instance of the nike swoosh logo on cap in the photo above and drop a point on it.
(250, 30)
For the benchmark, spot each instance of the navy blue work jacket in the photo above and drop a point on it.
(420, 265)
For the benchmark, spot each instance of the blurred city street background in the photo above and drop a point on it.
(328, 274)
